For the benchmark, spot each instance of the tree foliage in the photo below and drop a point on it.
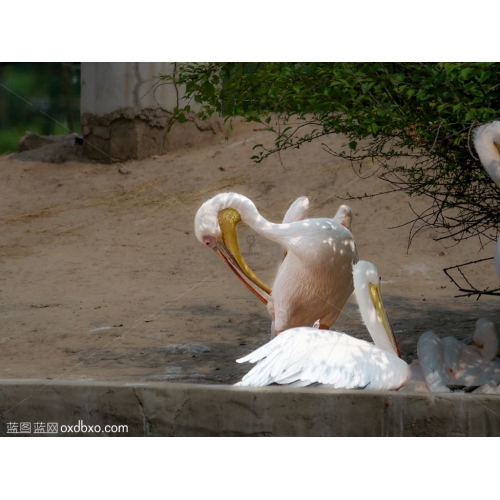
(414, 120)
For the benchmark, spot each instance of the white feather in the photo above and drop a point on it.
(307, 356)
(298, 210)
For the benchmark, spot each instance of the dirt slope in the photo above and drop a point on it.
(102, 277)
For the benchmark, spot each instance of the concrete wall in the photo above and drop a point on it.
(167, 409)
(125, 117)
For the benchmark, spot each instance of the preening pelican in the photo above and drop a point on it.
(487, 144)
(314, 280)
(306, 356)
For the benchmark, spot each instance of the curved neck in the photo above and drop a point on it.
(251, 216)
(370, 316)
(376, 329)
(486, 336)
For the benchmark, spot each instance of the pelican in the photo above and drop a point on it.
(484, 342)
(447, 362)
(315, 279)
(304, 356)
(487, 144)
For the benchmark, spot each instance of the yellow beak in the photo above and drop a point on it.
(229, 250)
(382, 316)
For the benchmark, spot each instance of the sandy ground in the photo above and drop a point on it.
(102, 277)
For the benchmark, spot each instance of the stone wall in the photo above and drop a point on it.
(125, 113)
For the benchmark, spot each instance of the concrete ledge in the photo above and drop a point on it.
(168, 409)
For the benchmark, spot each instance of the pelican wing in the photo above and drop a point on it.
(344, 216)
(431, 356)
(298, 210)
(306, 356)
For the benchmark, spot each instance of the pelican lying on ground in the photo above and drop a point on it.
(314, 280)
(449, 362)
(487, 144)
(306, 356)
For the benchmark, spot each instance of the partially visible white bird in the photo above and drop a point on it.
(431, 360)
(487, 144)
(485, 342)
(449, 362)
(476, 364)
(315, 279)
(306, 356)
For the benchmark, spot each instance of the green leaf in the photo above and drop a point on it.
(466, 72)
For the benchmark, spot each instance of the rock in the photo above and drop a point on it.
(30, 141)
(102, 132)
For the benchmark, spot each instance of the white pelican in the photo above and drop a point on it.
(448, 362)
(306, 356)
(487, 144)
(431, 360)
(485, 342)
(314, 280)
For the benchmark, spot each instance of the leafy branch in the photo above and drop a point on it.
(414, 120)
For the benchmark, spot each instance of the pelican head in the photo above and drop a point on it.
(485, 338)
(215, 226)
(367, 288)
